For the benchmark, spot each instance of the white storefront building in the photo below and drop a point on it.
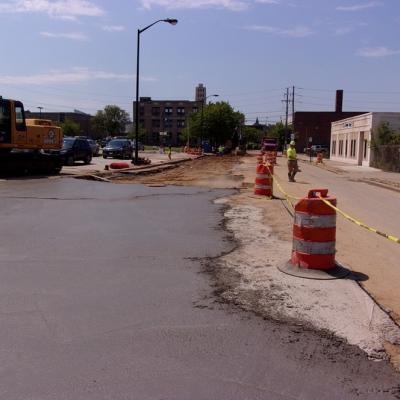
(351, 137)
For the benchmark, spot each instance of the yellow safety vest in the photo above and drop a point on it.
(291, 154)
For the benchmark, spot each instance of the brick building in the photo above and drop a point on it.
(317, 124)
(164, 120)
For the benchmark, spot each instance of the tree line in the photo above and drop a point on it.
(215, 123)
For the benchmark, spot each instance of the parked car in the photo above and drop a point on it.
(140, 147)
(94, 146)
(76, 149)
(315, 149)
(118, 148)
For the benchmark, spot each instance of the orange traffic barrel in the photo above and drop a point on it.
(260, 158)
(314, 232)
(314, 239)
(264, 180)
(271, 157)
(119, 165)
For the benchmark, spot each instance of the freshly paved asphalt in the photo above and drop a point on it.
(102, 297)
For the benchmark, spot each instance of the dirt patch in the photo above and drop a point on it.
(212, 172)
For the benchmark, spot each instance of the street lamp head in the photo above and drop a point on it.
(171, 21)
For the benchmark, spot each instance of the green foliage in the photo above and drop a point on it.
(279, 132)
(132, 133)
(70, 128)
(216, 123)
(110, 122)
(253, 136)
(385, 135)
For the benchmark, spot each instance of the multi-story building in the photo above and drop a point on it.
(165, 120)
(201, 93)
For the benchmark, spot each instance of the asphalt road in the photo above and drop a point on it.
(102, 296)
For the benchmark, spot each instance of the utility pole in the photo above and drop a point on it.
(287, 101)
(293, 107)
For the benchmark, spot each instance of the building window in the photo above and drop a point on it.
(195, 109)
(155, 111)
(141, 111)
(168, 110)
(365, 148)
(345, 151)
(155, 123)
(180, 123)
(180, 110)
(168, 123)
(340, 147)
(353, 145)
(333, 147)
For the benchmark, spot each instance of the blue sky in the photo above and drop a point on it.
(81, 54)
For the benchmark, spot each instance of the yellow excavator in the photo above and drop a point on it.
(26, 144)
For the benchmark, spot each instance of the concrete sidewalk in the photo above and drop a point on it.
(373, 176)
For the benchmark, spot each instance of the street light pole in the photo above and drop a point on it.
(40, 112)
(171, 21)
(201, 120)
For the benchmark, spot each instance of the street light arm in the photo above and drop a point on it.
(169, 20)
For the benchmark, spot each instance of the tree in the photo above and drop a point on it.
(132, 133)
(110, 122)
(252, 136)
(216, 123)
(70, 128)
(385, 135)
(278, 131)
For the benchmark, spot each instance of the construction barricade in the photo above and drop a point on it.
(264, 180)
(260, 158)
(270, 157)
(320, 158)
(314, 237)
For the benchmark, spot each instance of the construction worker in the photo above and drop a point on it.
(170, 152)
(292, 161)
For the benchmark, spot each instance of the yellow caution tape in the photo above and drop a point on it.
(287, 195)
(345, 215)
(362, 225)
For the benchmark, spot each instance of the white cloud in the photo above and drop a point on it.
(234, 5)
(113, 28)
(343, 30)
(296, 32)
(67, 9)
(359, 7)
(69, 35)
(268, 1)
(380, 51)
(72, 76)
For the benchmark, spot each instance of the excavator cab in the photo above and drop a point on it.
(22, 141)
(5, 122)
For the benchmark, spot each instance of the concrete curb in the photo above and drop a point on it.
(104, 175)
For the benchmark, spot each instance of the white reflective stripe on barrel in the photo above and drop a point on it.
(314, 247)
(262, 176)
(262, 186)
(315, 221)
